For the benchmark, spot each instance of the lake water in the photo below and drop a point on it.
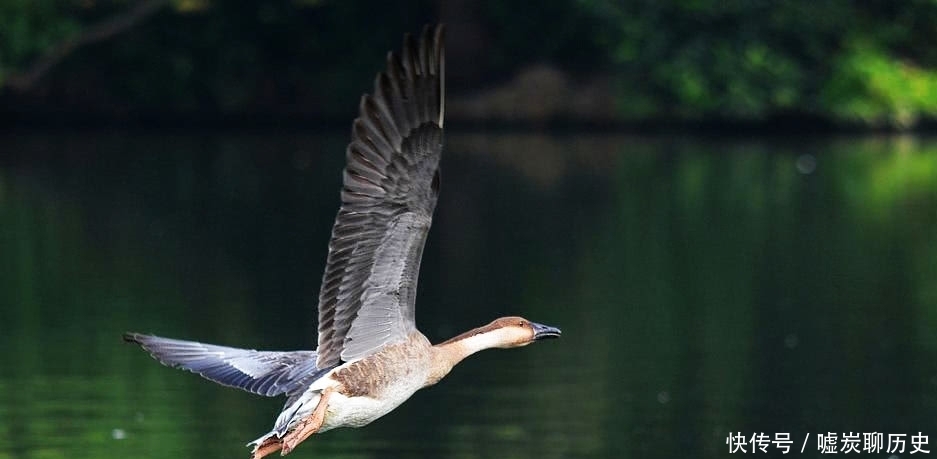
(704, 286)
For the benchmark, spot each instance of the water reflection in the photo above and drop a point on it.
(703, 287)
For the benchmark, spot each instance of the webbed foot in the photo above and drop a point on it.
(307, 426)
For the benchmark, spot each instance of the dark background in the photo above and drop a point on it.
(819, 64)
(173, 167)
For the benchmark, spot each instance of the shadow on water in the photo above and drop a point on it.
(704, 287)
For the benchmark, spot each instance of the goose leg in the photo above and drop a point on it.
(307, 426)
(267, 447)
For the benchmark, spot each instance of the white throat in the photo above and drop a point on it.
(502, 337)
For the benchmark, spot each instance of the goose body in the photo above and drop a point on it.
(370, 356)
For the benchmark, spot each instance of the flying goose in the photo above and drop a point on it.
(370, 356)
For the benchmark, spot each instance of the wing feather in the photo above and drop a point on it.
(267, 373)
(389, 192)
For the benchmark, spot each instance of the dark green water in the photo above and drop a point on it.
(703, 287)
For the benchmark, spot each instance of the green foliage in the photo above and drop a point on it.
(250, 56)
(29, 27)
(865, 62)
(698, 58)
(868, 63)
(869, 86)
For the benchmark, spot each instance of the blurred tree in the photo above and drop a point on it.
(38, 35)
(868, 63)
(851, 61)
(28, 28)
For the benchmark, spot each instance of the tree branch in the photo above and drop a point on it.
(24, 81)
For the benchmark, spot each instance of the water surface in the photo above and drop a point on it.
(703, 287)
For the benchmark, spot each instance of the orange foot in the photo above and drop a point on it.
(269, 446)
(307, 426)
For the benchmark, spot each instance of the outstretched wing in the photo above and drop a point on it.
(389, 192)
(267, 373)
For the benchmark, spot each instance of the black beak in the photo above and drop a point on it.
(544, 331)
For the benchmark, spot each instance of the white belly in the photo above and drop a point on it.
(357, 411)
(362, 410)
(346, 411)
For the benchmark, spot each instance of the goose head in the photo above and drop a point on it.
(508, 332)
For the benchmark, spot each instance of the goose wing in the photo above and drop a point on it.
(389, 191)
(267, 373)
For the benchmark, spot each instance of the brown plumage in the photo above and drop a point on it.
(370, 377)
